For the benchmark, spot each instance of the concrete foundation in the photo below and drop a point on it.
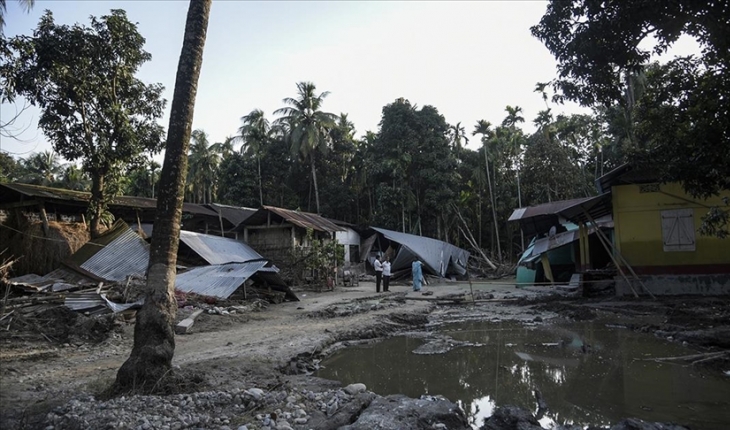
(675, 285)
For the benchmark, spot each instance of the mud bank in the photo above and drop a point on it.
(255, 369)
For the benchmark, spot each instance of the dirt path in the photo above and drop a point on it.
(230, 350)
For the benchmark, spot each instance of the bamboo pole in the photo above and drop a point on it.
(602, 235)
(618, 266)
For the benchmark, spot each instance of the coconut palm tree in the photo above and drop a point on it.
(154, 338)
(255, 133)
(485, 129)
(309, 126)
(41, 168)
(225, 148)
(204, 161)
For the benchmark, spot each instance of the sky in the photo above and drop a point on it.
(468, 59)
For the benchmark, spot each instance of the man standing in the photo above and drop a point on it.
(378, 272)
(386, 274)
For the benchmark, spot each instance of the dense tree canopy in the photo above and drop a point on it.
(684, 116)
(93, 108)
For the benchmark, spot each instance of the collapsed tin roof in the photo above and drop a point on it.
(438, 257)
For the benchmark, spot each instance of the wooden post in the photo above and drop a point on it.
(581, 245)
(602, 237)
(618, 266)
(220, 219)
(586, 241)
(44, 219)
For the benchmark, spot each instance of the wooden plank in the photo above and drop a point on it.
(185, 325)
(19, 204)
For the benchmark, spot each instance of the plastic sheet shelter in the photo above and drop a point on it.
(439, 258)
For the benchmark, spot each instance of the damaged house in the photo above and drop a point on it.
(642, 233)
(283, 233)
(223, 267)
(57, 204)
(439, 258)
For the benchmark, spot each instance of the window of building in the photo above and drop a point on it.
(678, 230)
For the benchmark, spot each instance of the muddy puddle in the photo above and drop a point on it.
(588, 373)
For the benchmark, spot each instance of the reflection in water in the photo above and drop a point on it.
(588, 374)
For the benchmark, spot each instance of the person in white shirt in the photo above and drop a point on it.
(378, 272)
(386, 274)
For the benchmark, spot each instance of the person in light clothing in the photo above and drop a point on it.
(417, 273)
(386, 274)
(378, 272)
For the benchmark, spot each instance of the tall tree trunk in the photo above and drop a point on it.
(314, 180)
(96, 204)
(154, 336)
(494, 212)
(261, 187)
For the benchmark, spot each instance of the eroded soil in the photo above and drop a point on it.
(281, 343)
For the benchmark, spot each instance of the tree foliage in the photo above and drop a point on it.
(682, 124)
(93, 108)
(307, 126)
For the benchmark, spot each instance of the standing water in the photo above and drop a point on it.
(588, 374)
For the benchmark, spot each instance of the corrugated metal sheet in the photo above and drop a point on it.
(97, 303)
(299, 219)
(217, 281)
(552, 208)
(234, 214)
(127, 254)
(82, 196)
(85, 302)
(596, 207)
(219, 250)
(439, 257)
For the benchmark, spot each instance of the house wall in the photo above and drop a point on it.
(637, 215)
(347, 238)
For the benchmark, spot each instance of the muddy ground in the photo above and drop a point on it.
(267, 346)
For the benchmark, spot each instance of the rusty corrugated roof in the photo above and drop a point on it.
(300, 219)
(84, 197)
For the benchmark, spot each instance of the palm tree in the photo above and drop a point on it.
(154, 338)
(309, 125)
(204, 161)
(41, 168)
(515, 148)
(225, 148)
(513, 116)
(457, 134)
(343, 144)
(540, 88)
(485, 129)
(255, 133)
(74, 179)
(25, 4)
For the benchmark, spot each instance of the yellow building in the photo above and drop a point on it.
(657, 234)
